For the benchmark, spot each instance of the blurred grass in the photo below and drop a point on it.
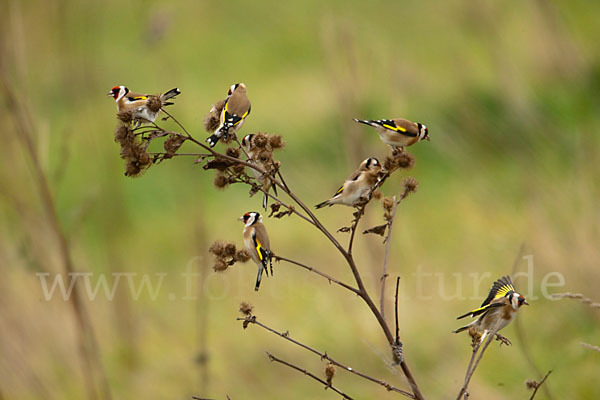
(510, 93)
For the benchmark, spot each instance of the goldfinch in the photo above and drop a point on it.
(140, 104)
(497, 310)
(256, 156)
(257, 243)
(398, 132)
(233, 115)
(358, 185)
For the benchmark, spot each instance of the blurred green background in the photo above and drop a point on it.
(510, 92)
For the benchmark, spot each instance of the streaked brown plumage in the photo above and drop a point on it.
(358, 185)
(257, 243)
(398, 132)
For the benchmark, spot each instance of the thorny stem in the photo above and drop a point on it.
(361, 287)
(324, 356)
(472, 366)
(540, 383)
(316, 271)
(398, 344)
(305, 372)
(362, 291)
(388, 240)
(359, 213)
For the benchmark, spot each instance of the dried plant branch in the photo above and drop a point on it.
(316, 271)
(251, 319)
(387, 240)
(305, 372)
(578, 296)
(473, 365)
(590, 346)
(346, 253)
(536, 385)
(88, 344)
(397, 348)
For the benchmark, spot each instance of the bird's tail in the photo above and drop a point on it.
(265, 201)
(323, 204)
(222, 131)
(259, 276)
(169, 95)
(271, 262)
(213, 139)
(362, 121)
(463, 328)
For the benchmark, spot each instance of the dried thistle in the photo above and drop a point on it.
(260, 140)
(132, 151)
(246, 308)
(154, 103)
(226, 254)
(329, 372)
(242, 256)
(172, 144)
(229, 250)
(220, 181)
(217, 248)
(264, 157)
(410, 185)
(238, 168)
(220, 265)
(122, 132)
(218, 163)
(376, 194)
(405, 160)
(475, 334)
(387, 203)
(233, 152)
(213, 120)
(398, 159)
(531, 384)
(125, 116)
(276, 142)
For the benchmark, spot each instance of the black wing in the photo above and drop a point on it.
(500, 288)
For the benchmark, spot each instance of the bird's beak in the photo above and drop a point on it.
(427, 138)
(109, 94)
(525, 302)
(241, 218)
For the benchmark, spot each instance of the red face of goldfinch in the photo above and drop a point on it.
(117, 92)
(250, 218)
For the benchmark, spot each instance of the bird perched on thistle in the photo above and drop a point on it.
(357, 187)
(398, 132)
(143, 107)
(233, 115)
(497, 310)
(261, 157)
(257, 243)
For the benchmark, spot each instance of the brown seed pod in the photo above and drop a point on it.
(242, 255)
(154, 104)
(246, 308)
